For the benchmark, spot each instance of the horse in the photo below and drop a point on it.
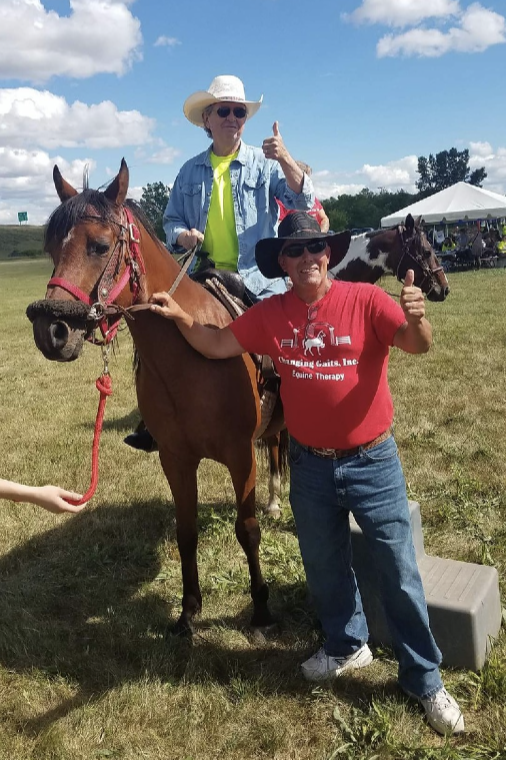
(393, 251)
(100, 243)
(105, 253)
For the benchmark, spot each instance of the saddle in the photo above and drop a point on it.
(229, 289)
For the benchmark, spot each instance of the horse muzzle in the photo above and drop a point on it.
(59, 328)
(439, 293)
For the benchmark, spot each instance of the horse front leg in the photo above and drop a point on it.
(247, 530)
(273, 507)
(182, 477)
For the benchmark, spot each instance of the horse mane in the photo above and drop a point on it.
(76, 208)
(381, 231)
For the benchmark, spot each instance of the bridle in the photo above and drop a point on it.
(102, 314)
(417, 257)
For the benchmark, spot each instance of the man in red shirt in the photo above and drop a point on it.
(330, 343)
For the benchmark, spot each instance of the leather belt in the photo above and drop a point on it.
(341, 453)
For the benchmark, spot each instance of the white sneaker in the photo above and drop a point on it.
(322, 666)
(443, 712)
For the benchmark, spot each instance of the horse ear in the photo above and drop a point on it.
(409, 223)
(117, 190)
(64, 190)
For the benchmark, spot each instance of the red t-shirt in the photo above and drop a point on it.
(283, 211)
(332, 357)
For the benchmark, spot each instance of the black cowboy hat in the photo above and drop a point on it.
(298, 226)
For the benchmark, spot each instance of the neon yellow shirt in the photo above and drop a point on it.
(220, 237)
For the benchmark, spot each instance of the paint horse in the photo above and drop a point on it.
(393, 251)
(104, 253)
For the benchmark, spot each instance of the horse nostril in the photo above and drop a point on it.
(59, 333)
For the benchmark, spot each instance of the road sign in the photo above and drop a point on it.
(22, 216)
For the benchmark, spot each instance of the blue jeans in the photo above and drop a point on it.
(371, 486)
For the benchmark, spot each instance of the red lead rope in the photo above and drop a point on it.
(104, 386)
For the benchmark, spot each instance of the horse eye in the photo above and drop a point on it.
(99, 249)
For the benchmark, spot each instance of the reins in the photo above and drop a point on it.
(104, 386)
(428, 273)
(126, 249)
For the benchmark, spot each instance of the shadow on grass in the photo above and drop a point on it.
(80, 602)
(125, 424)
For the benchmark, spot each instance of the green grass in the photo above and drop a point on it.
(86, 670)
(21, 237)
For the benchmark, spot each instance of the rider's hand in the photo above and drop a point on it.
(412, 300)
(163, 304)
(190, 238)
(274, 147)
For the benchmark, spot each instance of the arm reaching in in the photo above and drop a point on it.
(323, 220)
(211, 342)
(51, 498)
(415, 335)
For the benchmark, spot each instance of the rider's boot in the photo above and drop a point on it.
(141, 439)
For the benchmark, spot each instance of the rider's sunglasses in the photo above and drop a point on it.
(239, 112)
(297, 249)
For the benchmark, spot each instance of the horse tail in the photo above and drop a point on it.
(136, 362)
(284, 448)
(275, 449)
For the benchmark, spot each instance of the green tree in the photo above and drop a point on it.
(153, 202)
(364, 209)
(445, 169)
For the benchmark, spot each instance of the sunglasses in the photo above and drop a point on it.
(296, 250)
(240, 112)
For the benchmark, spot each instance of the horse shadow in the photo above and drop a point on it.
(73, 604)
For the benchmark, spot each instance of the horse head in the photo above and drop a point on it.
(416, 253)
(92, 239)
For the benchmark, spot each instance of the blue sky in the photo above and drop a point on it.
(360, 88)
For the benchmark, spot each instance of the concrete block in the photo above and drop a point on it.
(462, 599)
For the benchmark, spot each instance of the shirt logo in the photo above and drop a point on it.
(315, 335)
(316, 342)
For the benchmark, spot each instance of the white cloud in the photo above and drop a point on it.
(30, 117)
(396, 175)
(480, 150)
(482, 154)
(167, 41)
(402, 174)
(402, 12)
(166, 155)
(479, 29)
(26, 183)
(98, 36)
(392, 176)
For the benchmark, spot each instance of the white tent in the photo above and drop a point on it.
(459, 203)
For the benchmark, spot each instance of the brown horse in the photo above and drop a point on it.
(394, 251)
(195, 408)
(103, 250)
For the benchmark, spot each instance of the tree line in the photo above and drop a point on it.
(436, 172)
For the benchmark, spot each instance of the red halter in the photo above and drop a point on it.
(127, 248)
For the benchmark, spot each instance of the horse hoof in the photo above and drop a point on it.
(273, 511)
(261, 633)
(182, 629)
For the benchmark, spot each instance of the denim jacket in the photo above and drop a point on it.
(256, 183)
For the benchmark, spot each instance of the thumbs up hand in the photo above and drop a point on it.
(412, 300)
(274, 147)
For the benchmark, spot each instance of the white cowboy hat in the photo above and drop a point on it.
(222, 88)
